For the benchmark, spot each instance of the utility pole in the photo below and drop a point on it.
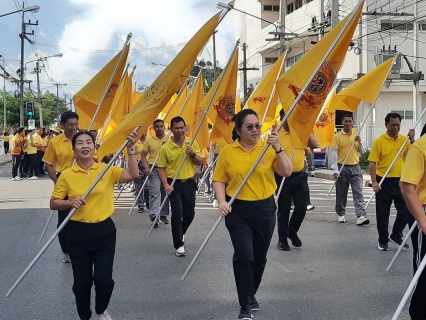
(283, 13)
(245, 69)
(40, 108)
(57, 97)
(416, 106)
(334, 13)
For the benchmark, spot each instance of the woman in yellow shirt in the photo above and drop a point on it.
(251, 221)
(92, 233)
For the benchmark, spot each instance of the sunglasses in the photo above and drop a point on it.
(251, 127)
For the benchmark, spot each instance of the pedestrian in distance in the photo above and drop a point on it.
(18, 144)
(6, 142)
(251, 220)
(92, 233)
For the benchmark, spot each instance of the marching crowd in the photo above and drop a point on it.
(165, 170)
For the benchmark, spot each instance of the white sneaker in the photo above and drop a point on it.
(362, 220)
(33, 178)
(341, 219)
(180, 252)
(16, 179)
(104, 316)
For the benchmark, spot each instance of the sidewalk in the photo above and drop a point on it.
(328, 175)
(5, 159)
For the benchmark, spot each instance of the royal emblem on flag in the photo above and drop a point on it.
(326, 118)
(259, 99)
(111, 90)
(226, 108)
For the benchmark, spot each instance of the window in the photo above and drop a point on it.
(290, 8)
(269, 60)
(422, 26)
(299, 4)
(397, 25)
(293, 60)
(271, 8)
(407, 114)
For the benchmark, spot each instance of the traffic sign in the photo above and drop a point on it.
(31, 122)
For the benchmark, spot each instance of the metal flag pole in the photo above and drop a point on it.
(350, 150)
(46, 225)
(396, 157)
(204, 177)
(276, 196)
(195, 135)
(413, 227)
(293, 106)
(168, 136)
(410, 289)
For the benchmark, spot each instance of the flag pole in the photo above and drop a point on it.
(410, 288)
(293, 106)
(204, 177)
(413, 227)
(110, 81)
(362, 126)
(282, 182)
(195, 134)
(396, 157)
(274, 88)
(168, 136)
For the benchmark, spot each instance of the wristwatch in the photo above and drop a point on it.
(192, 155)
(279, 151)
(131, 152)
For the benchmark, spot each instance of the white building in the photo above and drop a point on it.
(396, 95)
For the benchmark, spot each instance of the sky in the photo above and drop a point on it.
(89, 33)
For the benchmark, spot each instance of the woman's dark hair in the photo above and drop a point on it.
(239, 121)
(68, 115)
(74, 139)
(26, 132)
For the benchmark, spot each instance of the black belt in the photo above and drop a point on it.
(181, 180)
(348, 165)
(297, 173)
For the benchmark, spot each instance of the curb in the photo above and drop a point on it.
(5, 162)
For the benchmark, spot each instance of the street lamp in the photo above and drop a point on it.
(33, 9)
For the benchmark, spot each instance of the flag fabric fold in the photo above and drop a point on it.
(325, 125)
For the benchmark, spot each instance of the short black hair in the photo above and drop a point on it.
(176, 120)
(347, 115)
(5, 133)
(392, 115)
(20, 130)
(74, 139)
(68, 115)
(157, 121)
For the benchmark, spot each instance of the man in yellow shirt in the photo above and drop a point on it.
(413, 188)
(351, 173)
(40, 142)
(383, 152)
(59, 152)
(182, 194)
(150, 151)
(34, 165)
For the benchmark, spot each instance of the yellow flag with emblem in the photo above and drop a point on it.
(293, 80)
(88, 98)
(161, 90)
(203, 135)
(325, 125)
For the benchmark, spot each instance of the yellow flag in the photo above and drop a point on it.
(223, 105)
(366, 88)
(293, 80)
(162, 89)
(87, 99)
(203, 135)
(259, 99)
(121, 104)
(178, 105)
(325, 126)
(237, 104)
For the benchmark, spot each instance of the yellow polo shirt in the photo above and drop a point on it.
(152, 145)
(6, 138)
(138, 149)
(39, 140)
(16, 150)
(414, 168)
(30, 148)
(383, 152)
(233, 165)
(171, 156)
(59, 151)
(342, 142)
(298, 160)
(74, 182)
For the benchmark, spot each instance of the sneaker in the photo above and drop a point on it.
(206, 195)
(180, 252)
(141, 210)
(105, 316)
(32, 178)
(245, 313)
(164, 220)
(341, 219)
(254, 305)
(157, 224)
(66, 258)
(310, 207)
(362, 220)
(398, 241)
(295, 240)
(382, 246)
(283, 245)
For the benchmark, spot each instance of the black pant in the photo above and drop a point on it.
(24, 165)
(251, 226)
(390, 191)
(417, 305)
(92, 250)
(33, 165)
(16, 161)
(40, 155)
(182, 203)
(6, 147)
(63, 235)
(295, 187)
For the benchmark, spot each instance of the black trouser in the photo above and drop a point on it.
(40, 155)
(182, 203)
(295, 187)
(417, 305)
(92, 249)
(33, 165)
(16, 161)
(6, 147)
(251, 226)
(390, 191)
(63, 235)
(24, 165)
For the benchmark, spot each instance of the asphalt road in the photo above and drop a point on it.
(337, 274)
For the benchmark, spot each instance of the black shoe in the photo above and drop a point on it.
(295, 241)
(398, 240)
(245, 313)
(141, 210)
(156, 224)
(283, 245)
(164, 220)
(254, 305)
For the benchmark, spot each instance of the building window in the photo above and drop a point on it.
(398, 25)
(271, 8)
(269, 60)
(422, 26)
(293, 60)
(299, 4)
(407, 114)
(290, 8)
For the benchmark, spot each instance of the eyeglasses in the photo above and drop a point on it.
(251, 127)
